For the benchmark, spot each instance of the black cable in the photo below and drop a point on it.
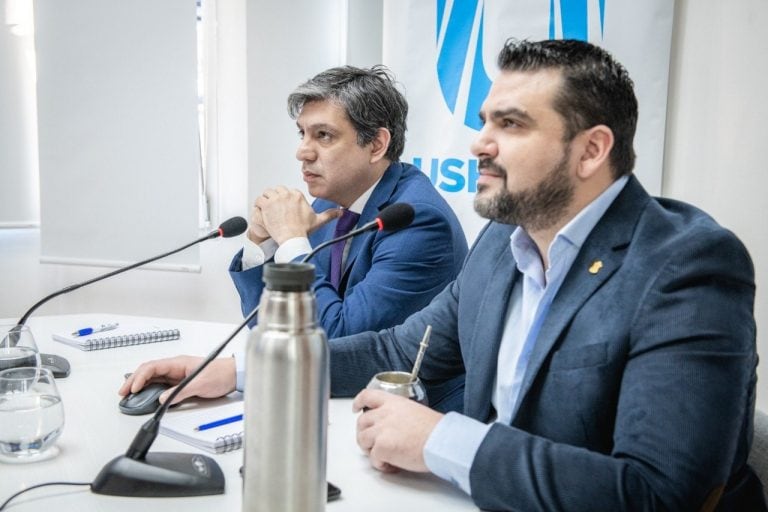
(40, 485)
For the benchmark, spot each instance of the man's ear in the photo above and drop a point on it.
(380, 144)
(595, 145)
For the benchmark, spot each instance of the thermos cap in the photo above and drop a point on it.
(289, 277)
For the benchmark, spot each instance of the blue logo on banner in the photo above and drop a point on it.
(452, 57)
(574, 19)
(457, 45)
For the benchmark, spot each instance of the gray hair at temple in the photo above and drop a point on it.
(596, 90)
(369, 96)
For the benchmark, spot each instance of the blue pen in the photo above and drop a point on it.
(85, 331)
(218, 423)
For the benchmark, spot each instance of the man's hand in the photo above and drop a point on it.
(394, 430)
(218, 378)
(257, 233)
(286, 214)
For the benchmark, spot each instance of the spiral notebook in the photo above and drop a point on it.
(181, 425)
(126, 334)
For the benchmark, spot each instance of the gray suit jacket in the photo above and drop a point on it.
(639, 394)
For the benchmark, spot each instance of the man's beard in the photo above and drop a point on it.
(534, 209)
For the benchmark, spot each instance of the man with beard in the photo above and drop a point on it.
(608, 337)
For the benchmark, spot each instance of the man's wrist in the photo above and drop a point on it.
(292, 249)
(256, 239)
(451, 448)
(282, 237)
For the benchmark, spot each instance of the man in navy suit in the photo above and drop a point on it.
(352, 126)
(608, 337)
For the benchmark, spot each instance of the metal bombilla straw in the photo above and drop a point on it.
(422, 348)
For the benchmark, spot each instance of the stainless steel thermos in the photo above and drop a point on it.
(287, 388)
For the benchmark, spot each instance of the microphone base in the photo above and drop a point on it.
(58, 365)
(160, 475)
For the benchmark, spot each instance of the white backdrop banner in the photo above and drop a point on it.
(444, 53)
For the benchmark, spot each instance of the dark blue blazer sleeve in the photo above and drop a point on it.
(248, 284)
(388, 275)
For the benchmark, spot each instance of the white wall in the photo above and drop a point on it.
(364, 33)
(117, 127)
(717, 128)
(226, 122)
(288, 43)
(207, 295)
(19, 195)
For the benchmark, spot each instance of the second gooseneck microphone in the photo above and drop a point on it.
(229, 228)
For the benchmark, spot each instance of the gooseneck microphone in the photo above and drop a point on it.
(140, 473)
(59, 365)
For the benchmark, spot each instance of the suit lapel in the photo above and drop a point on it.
(379, 198)
(323, 258)
(601, 255)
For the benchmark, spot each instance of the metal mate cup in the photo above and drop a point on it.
(399, 383)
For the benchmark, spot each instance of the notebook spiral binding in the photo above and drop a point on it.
(229, 443)
(133, 339)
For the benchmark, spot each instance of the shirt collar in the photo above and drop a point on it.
(577, 230)
(359, 204)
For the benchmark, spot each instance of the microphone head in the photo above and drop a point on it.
(233, 227)
(395, 216)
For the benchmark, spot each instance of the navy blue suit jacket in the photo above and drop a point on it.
(387, 275)
(639, 394)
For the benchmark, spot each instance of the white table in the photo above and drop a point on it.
(95, 432)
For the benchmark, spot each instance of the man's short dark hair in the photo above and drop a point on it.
(596, 90)
(369, 96)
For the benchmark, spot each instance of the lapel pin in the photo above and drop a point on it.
(595, 267)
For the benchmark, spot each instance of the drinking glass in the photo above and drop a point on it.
(399, 383)
(31, 415)
(17, 347)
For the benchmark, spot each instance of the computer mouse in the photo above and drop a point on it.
(145, 401)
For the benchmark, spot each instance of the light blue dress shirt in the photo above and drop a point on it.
(452, 446)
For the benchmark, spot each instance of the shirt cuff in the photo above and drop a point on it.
(292, 249)
(452, 446)
(255, 254)
(239, 370)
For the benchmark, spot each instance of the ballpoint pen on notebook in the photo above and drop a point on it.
(218, 423)
(85, 331)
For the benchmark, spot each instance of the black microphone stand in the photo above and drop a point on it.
(59, 365)
(164, 474)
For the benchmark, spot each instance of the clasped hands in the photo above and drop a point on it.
(281, 214)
